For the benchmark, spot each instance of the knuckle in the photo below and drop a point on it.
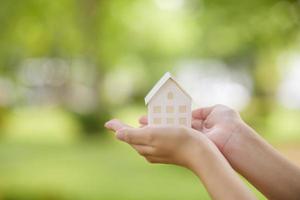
(231, 111)
(206, 124)
(155, 151)
(220, 106)
(142, 152)
(150, 137)
(150, 160)
(128, 138)
(226, 109)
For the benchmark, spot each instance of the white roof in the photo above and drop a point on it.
(160, 83)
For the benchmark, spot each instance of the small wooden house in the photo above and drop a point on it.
(168, 103)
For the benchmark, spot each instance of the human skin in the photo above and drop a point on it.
(188, 148)
(247, 152)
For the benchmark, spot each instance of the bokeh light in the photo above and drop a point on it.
(212, 82)
(289, 89)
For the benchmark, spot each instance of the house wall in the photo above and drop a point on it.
(165, 109)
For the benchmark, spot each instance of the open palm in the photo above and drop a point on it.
(219, 123)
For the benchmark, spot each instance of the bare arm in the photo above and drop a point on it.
(262, 165)
(219, 178)
(248, 153)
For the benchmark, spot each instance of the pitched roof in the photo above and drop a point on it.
(160, 83)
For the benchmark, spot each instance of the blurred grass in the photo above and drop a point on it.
(283, 126)
(90, 170)
(43, 125)
(67, 66)
(94, 169)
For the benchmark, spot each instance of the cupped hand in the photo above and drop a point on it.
(162, 144)
(219, 123)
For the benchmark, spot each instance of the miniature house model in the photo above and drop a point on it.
(168, 103)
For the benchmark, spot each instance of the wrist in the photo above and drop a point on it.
(242, 137)
(202, 151)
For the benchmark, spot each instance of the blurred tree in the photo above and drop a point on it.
(155, 33)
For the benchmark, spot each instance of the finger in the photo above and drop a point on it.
(197, 124)
(156, 159)
(136, 136)
(202, 113)
(115, 125)
(146, 136)
(144, 150)
(143, 120)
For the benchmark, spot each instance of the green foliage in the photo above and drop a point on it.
(92, 170)
(68, 66)
(40, 126)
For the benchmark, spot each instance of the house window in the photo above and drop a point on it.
(170, 95)
(157, 121)
(170, 109)
(170, 120)
(182, 121)
(182, 109)
(156, 109)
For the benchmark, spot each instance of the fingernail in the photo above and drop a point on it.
(107, 124)
(121, 135)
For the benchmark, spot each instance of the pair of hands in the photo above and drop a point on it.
(180, 145)
(218, 144)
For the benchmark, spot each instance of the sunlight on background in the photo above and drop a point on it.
(289, 88)
(170, 4)
(212, 82)
(121, 84)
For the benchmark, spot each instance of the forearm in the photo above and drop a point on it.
(219, 178)
(263, 166)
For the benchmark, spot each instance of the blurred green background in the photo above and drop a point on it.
(68, 66)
